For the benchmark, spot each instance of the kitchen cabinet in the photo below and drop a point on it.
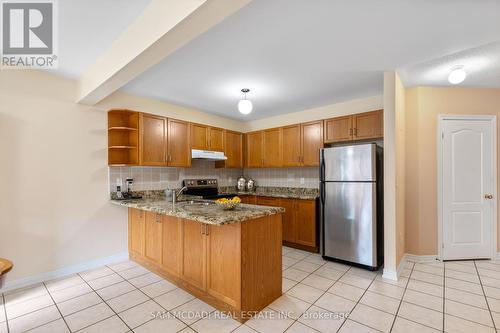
(179, 144)
(153, 237)
(224, 262)
(233, 149)
(136, 231)
(362, 126)
(299, 220)
(123, 137)
(292, 154)
(311, 142)
(234, 267)
(272, 148)
(172, 244)
(301, 144)
(207, 138)
(153, 140)
(368, 125)
(194, 253)
(248, 199)
(253, 149)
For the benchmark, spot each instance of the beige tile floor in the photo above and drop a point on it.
(318, 296)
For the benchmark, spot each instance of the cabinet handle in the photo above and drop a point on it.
(207, 230)
(203, 229)
(158, 218)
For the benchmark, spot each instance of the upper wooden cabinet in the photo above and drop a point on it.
(362, 126)
(153, 139)
(253, 149)
(179, 143)
(233, 149)
(123, 137)
(369, 125)
(301, 144)
(272, 148)
(207, 138)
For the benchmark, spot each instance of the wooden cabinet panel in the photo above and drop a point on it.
(194, 253)
(267, 201)
(153, 238)
(338, 129)
(369, 125)
(233, 149)
(153, 140)
(306, 222)
(172, 244)
(292, 146)
(199, 136)
(136, 231)
(312, 142)
(254, 153)
(272, 147)
(179, 145)
(224, 262)
(248, 199)
(288, 220)
(216, 141)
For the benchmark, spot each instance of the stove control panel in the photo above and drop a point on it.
(200, 183)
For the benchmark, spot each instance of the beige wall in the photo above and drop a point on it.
(323, 112)
(400, 135)
(423, 105)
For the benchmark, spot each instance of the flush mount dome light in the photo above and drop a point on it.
(245, 105)
(457, 75)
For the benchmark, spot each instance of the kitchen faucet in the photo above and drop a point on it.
(175, 196)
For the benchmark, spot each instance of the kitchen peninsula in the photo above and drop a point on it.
(229, 259)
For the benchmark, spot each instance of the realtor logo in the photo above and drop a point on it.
(28, 31)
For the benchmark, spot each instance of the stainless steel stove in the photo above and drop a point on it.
(206, 188)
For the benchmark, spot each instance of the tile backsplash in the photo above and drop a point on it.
(159, 178)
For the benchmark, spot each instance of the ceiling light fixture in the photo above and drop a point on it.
(245, 105)
(457, 75)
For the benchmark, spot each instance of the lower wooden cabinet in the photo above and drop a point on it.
(136, 230)
(234, 267)
(299, 221)
(248, 199)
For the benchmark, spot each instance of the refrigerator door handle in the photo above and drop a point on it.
(322, 167)
(321, 218)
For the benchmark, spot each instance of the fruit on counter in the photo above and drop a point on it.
(226, 200)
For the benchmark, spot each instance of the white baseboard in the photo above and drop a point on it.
(419, 259)
(61, 272)
(394, 275)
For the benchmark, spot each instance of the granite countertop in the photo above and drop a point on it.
(276, 192)
(209, 214)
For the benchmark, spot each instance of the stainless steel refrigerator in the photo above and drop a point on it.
(351, 204)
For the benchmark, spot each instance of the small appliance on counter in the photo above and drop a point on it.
(351, 204)
(241, 184)
(128, 195)
(206, 188)
(251, 185)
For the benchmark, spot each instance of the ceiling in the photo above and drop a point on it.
(88, 27)
(299, 54)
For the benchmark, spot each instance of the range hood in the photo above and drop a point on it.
(207, 155)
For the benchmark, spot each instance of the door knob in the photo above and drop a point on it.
(488, 196)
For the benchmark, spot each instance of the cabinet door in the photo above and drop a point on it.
(254, 149)
(267, 201)
(338, 129)
(291, 146)
(179, 151)
(312, 142)
(234, 149)
(199, 136)
(272, 147)
(136, 231)
(194, 253)
(153, 237)
(249, 199)
(216, 141)
(153, 140)
(288, 219)
(369, 125)
(224, 263)
(172, 244)
(306, 222)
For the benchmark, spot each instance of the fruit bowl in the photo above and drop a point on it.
(228, 204)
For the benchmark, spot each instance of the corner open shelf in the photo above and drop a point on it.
(123, 137)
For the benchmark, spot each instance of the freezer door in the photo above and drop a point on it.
(349, 163)
(350, 222)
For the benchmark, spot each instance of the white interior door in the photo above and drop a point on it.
(468, 188)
